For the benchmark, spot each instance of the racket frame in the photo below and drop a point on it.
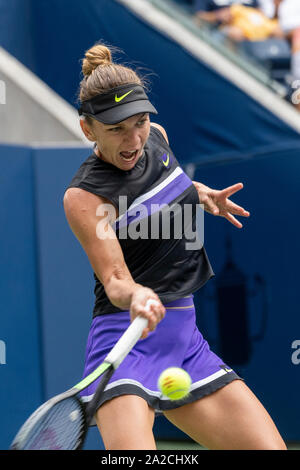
(106, 368)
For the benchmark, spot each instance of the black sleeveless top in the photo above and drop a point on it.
(156, 227)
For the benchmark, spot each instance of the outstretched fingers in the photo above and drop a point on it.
(236, 209)
(233, 220)
(227, 192)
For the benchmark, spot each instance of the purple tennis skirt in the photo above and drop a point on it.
(176, 342)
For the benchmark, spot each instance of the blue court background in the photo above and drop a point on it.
(47, 284)
(206, 116)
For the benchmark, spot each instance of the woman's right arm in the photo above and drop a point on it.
(87, 215)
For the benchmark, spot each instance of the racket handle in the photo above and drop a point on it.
(128, 339)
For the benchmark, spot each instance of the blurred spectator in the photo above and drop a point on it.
(287, 12)
(251, 21)
(239, 20)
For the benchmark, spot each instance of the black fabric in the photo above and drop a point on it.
(164, 265)
(160, 405)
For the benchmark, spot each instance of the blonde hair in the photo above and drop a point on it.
(101, 74)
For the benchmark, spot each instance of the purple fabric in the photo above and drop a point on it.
(175, 342)
(167, 195)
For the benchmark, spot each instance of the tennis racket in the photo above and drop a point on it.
(62, 422)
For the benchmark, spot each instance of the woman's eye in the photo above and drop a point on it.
(115, 129)
(141, 123)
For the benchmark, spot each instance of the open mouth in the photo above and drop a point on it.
(129, 157)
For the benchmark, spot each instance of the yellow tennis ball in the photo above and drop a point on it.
(174, 383)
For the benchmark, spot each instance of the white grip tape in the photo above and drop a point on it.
(128, 339)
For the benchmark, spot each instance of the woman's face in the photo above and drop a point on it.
(120, 144)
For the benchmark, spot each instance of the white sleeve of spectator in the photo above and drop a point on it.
(289, 15)
(267, 7)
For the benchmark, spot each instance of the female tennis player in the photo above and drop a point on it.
(116, 205)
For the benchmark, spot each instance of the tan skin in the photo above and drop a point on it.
(230, 418)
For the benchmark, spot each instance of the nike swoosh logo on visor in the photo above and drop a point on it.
(120, 98)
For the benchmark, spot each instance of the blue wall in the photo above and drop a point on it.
(205, 114)
(267, 246)
(47, 284)
(21, 388)
(17, 29)
(66, 279)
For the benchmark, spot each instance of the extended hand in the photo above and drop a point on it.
(217, 203)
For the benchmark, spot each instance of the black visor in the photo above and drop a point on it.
(117, 104)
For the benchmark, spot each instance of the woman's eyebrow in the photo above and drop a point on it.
(141, 117)
(112, 126)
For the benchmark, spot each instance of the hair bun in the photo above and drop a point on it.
(95, 56)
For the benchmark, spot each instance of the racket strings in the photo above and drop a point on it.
(61, 428)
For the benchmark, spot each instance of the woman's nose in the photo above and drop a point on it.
(132, 138)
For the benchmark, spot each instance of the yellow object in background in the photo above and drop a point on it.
(252, 22)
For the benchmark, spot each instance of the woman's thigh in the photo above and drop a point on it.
(230, 418)
(125, 423)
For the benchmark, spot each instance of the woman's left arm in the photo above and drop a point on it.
(217, 202)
